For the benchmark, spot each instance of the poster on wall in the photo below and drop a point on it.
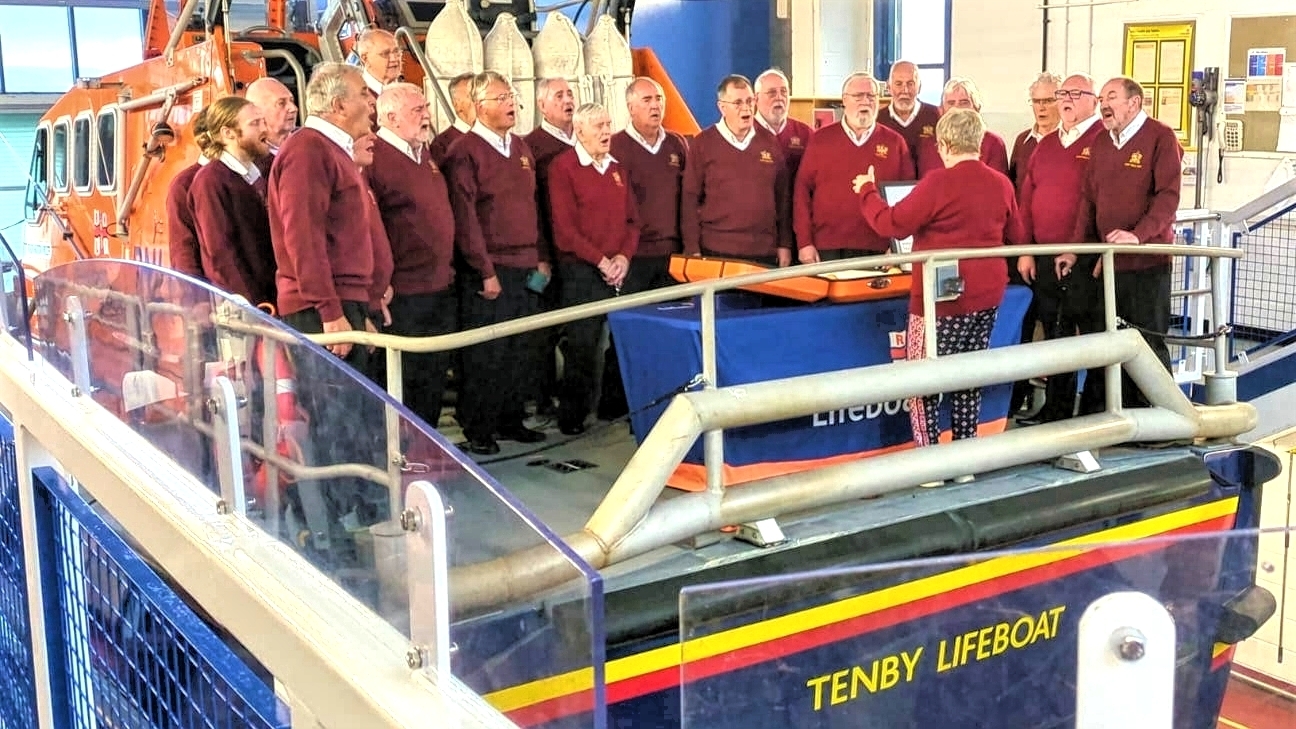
(1264, 78)
(1159, 56)
(1235, 96)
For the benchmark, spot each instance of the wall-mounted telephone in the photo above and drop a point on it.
(1232, 138)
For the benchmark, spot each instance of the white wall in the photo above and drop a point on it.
(997, 43)
(831, 39)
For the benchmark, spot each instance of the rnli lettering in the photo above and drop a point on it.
(883, 673)
(993, 640)
(847, 684)
(857, 414)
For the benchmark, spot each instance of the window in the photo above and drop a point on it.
(37, 179)
(107, 40)
(59, 170)
(918, 31)
(37, 49)
(106, 149)
(81, 153)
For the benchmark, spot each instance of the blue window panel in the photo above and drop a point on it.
(37, 49)
(107, 40)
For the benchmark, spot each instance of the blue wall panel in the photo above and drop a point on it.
(701, 41)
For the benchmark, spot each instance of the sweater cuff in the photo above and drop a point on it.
(330, 310)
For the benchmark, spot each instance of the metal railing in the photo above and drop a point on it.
(1263, 306)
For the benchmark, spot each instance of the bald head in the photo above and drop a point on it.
(904, 84)
(276, 104)
(646, 103)
(380, 55)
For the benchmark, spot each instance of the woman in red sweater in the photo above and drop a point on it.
(965, 204)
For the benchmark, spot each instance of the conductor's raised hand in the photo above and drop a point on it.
(862, 180)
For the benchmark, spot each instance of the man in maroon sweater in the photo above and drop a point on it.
(557, 104)
(276, 103)
(381, 59)
(655, 160)
(1049, 197)
(772, 113)
(1044, 106)
(316, 202)
(962, 93)
(596, 232)
(1130, 196)
(415, 206)
(465, 115)
(737, 194)
(229, 203)
(492, 192)
(181, 238)
(914, 120)
(824, 205)
(1043, 103)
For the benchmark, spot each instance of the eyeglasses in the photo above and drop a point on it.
(740, 103)
(501, 98)
(1044, 102)
(1074, 94)
(862, 96)
(390, 53)
(775, 93)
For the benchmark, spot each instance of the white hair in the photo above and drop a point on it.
(547, 87)
(1084, 78)
(858, 75)
(482, 82)
(771, 72)
(1045, 79)
(961, 82)
(394, 96)
(587, 113)
(328, 85)
(630, 92)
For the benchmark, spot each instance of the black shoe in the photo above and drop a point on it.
(522, 434)
(571, 428)
(482, 446)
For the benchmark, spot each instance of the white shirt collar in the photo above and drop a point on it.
(863, 138)
(500, 144)
(654, 147)
(203, 160)
(905, 122)
(461, 125)
(741, 144)
(1134, 125)
(559, 134)
(372, 82)
(1068, 138)
(1035, 133)
(770, 127)
(333, 132)
(587, 160)
(250, 174)
(414, 153)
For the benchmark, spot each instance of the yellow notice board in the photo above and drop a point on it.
(1159, 56)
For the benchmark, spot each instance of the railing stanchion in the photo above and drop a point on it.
(712, 440)
(1113, 372)
(1221, 383)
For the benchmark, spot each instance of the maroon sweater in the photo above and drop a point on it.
(793, 140)
(736, 202)
(923, 127)
(494, 203)
(994, 153)
(233, 234)
(545, 147)
(1134, 188)
(594, 215)
(441, 144)
(825, 208)
(317, 223)
(182, 240)
(1023, 147)
(968, 205)
(657, 180)
(415, 207)
(382, 253)
(1049, 191)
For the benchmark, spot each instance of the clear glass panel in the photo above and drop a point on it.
(922, 31)
(36, 180)
(81, 153)
(106, 150)
(526, 611)
(1165, 616)
(933, 83)
(108, 40)
(60, 166)
(37, 49)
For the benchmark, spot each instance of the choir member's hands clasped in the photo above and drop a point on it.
(614, 270)
(862, 180)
